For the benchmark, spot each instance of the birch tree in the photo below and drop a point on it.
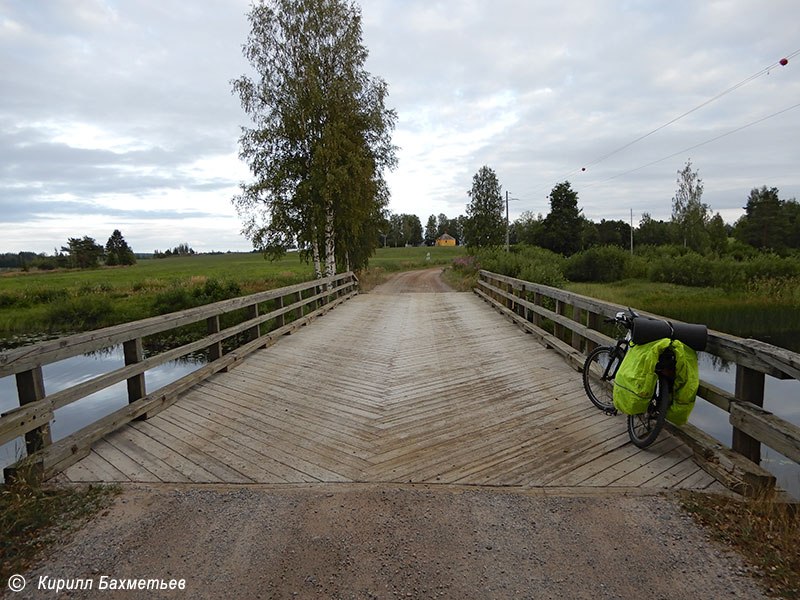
(321, 134)
(689, 214)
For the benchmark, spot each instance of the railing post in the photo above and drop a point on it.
(592, 322)
(749, 388)
(254, 332)
(561, 309)
(134, 353)
(537, 318)
(215, 349)
(576, 337)
(30, 388)
(298, 313)
(280, 320)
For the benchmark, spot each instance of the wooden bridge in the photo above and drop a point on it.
(389, 387)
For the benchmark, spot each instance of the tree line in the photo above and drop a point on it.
(79, 253)
(86, 253)
(769, 223)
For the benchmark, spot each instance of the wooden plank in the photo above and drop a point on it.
(215, 349)
(221, 463)
(30, 390)
(122, 462)
(123, 441)
(133, 352)
(257, 448)
(608, 476)
(137, 433)
(769, 429)
(94, 468)
(655, 468)
(716, 396)
(749, 388)
(730, 468)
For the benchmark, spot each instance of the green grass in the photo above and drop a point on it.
(403, 259)
(63, 301)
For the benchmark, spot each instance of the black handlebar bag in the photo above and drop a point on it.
(646, 330)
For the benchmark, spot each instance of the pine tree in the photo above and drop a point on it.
(117, 250)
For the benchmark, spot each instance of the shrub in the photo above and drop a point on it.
(466, 264)
(530, 263)
(543, 273)
(181, 297)
(9, 299)
(81, 313)
(771, 266)
(691, 269)
(601, 263)
(45, 295)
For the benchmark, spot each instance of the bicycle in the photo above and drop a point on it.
(601, 368)
(603, 362)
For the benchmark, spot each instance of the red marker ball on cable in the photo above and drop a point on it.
(784, 62)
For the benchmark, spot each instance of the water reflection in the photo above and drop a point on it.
(78, 369)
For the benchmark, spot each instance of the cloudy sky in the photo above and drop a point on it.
(119, 113)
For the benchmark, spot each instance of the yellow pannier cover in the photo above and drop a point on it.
(636, 379)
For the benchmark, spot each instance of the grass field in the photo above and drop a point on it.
(33, 303)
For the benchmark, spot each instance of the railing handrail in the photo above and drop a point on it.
(43, 353)
(35, 411)
(751, 424)
(761, 356)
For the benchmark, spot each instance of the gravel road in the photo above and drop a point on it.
(353, 541)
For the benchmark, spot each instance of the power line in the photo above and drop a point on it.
(765, 70)
(698, 107)
(714, 139)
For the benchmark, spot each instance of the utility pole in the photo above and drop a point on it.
(506, 221)
(507, 224)
(631, 232)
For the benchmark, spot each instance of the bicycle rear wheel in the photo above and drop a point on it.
(643, 429)
(598, 376)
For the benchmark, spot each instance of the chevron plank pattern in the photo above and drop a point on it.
(412, 387)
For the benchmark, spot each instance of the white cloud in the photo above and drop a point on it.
(127, 107)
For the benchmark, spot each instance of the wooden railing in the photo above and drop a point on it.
(281, 310)
(570, 324)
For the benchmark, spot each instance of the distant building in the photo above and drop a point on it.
(446, 240)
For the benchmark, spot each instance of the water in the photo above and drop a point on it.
(72, 371)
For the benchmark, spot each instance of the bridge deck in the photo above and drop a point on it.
(415, 387)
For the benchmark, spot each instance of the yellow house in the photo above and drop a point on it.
(446, 240)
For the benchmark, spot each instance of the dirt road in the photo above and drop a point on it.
(378, 540)
(426, 281)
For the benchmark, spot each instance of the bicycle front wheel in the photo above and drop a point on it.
(643, 429)
(598, 376)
